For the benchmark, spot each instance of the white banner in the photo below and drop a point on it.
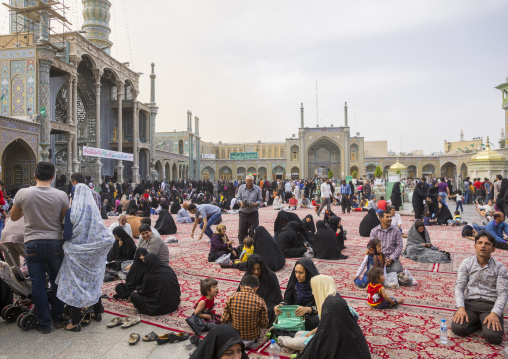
(99, 152)
(210, 156)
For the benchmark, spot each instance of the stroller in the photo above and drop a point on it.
(22, 311)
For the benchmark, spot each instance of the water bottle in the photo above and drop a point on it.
(443, 335)
(274, 350)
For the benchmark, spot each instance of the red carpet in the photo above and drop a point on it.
(410, 331)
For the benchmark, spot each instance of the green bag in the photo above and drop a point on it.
(288, 320)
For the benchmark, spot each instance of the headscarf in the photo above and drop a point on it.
(217, 342)
(377, 258)
(396, 195)
(117, 203)
(295, 289)
(137, 271)
(175, 207)
(218, 230)
(269, 287)
(165, 223)
(267, 248)
(444, 215)
(290, 242)
(132, 205)
(500, 196)
(81, 274)
(328, 215)
(348, 339)
(126, 251)
(322, 286)
(418, 224)
(279, 221)
(368, 223)
(160, 288)
(309, 226)
(325, 242)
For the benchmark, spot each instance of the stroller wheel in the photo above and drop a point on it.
(28, 321)
(12, 313)
(4, 309)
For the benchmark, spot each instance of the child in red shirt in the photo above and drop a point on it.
(204, 307)
(377, 297)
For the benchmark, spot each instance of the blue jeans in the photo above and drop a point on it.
(378, 211)
(362, 283)
(210, 222)
(466, 197)
(45, 255)
(443, 196)
(2, 223)
(459, 204)
(386, 304)
(478, 228)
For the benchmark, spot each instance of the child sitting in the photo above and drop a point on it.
(248, 249)
(373, 259)
(427, 219)
(456, 219)
(377, 297)
(204, 307)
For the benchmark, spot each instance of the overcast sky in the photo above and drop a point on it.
(419, 70)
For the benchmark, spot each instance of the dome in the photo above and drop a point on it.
(398, 166)
(488, 155)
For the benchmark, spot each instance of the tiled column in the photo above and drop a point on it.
(119, 166)
(135, 140)
(98, 163)
(45, 101)
(75, 161)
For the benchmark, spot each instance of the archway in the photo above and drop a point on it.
(385, 170)
(262, 173)
(323, 154)
(370, 169)
(225, 173)
(429, 170)
(167, 177)
(174, 172)
(295, 173)
(278, 172)
(208, 173)
(252, 171)
(352, 170)
(411, 171)
(180, 171)
(463, 170)
(448, 170)
(158, 168)
(353, 152)
(18, 164)
(295, 153)
(240, 173)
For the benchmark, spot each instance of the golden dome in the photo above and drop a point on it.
(398, 166)
(488, 155)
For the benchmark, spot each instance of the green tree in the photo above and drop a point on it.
(398, 172)
(378, 172)
(355, 175)
(330, 174)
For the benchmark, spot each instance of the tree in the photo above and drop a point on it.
(355, 175)
(378, 172)
(330, 174)
(398, 172)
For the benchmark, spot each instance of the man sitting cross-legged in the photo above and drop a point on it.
(481, 292)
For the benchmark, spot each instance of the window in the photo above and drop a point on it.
(223, 154)
(275, 152)
(295, 156)
(264, 153)
(269, 153)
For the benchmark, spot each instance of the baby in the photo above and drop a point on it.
(377, 297)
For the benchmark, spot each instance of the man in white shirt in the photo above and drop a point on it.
(326, 193)
(396, 220)
(122, 222)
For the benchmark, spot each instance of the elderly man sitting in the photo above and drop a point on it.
(122, 222)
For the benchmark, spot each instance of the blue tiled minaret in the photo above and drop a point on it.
(96, 15)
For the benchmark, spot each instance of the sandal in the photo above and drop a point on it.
(76, 328)
(134, 339)
(150, 337)
(87, 318)
(115, 322)
(129, 322)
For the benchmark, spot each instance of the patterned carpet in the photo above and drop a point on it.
(410, 331)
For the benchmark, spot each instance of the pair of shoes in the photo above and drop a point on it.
(76, 328)
(134, 339)
(172, 337)
(43, 331)
(115, 322)
(86, 319)
(130, 321)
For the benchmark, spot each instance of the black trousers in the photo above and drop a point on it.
(345, 204)
(76, 312)
(247, 223)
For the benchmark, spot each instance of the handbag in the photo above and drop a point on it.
(288, 320)
(196, 323)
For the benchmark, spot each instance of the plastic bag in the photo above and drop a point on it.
(391, 280)
(223, 258)
(288, 320)
(407, 279)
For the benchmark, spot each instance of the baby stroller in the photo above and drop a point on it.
(23, 310)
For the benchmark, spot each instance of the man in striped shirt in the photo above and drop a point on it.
(345, 191)
(391, 241)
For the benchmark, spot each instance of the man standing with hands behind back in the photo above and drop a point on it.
(250, 198)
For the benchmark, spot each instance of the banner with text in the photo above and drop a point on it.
(244, 155)
(99, 152)
(210, 156)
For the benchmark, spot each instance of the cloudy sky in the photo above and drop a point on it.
(413, 72)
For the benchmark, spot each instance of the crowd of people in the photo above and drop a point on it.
(62, 236)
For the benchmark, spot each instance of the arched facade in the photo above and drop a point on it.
(323, 155)
(278, 172)
(225, 173)
(353, 152)
(295, 173)
(429, 170)
(240, 173)
(353, 169)
(295, 153)
(18, 164)
(208, 173)
(262, 173)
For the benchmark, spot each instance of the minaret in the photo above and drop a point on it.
(96, 15)
(196, 125)
(345, 115)
(301, 116)
(504, 90)
(461, 135)
(153, 115)
(198, 148)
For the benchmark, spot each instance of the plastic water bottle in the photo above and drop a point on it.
(443, 335)
(274, 350)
